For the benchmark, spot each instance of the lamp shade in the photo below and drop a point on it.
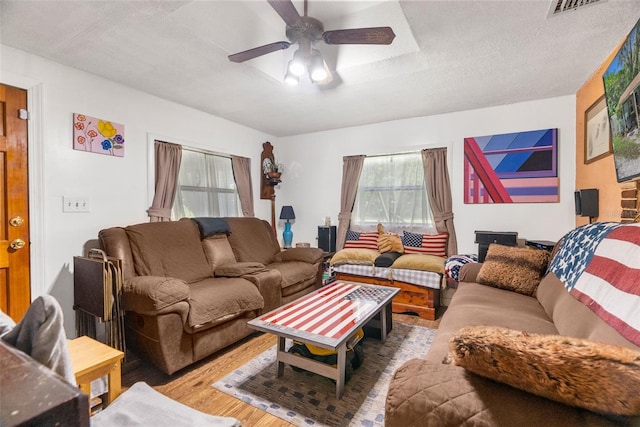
(287, 213)
(297, 64)
(316, 67)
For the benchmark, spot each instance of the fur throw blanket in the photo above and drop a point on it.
(599, 377)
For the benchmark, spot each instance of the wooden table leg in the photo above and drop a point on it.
(280, 367)
(342, 359)
(383, 324)
(115, 381)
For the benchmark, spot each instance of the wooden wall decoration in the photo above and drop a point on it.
(266, 191)
(629, 195)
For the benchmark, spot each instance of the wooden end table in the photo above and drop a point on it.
(91, 360)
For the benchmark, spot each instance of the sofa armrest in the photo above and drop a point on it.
(238, 269)
(269, 285)
(150, 294)
(469, 272)
(309, 255)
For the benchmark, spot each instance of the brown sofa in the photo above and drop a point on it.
(189, 289)
(427, 392)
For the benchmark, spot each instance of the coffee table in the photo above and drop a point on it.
(328, 318)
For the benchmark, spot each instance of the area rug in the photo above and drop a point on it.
(306, 399)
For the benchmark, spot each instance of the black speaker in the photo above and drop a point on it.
(327, 238)
(485, 238)
(587, 202)
(578, 202)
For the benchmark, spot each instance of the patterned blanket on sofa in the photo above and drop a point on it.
(599, 265)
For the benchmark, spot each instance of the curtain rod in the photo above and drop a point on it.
(401, 152)
(200, 150)
(392, 154)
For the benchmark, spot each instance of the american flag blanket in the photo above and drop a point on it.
(599, 265)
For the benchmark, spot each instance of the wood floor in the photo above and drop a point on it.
(192, 386)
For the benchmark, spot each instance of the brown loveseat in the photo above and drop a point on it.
(190, 286)
(427, 392)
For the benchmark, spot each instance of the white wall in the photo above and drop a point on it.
(313, 167)
(117, 187)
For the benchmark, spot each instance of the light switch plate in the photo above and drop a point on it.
(76, 204)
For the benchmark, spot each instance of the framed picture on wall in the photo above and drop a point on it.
(597, 138)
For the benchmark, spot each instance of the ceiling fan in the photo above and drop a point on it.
(306, 31)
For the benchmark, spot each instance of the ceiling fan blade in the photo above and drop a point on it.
(258, 51)
(374, 35)
(286, 10)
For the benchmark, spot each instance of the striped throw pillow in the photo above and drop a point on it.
(357, 240)
(431, 244)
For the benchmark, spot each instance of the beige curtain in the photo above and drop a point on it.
(436, 177)
(168, 157)
(242, 174)
(351, 169)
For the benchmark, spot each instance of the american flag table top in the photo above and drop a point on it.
(328, 316)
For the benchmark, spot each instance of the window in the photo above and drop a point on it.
(206, 186)
(391, 191)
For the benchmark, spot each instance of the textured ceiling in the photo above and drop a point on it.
(448, 55)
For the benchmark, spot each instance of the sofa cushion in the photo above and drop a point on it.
(237, 269)
(386, 259)
(294, 272)
(218, 250)
(598, 263)
(577, 372)
(515, 269)
(573, 318)
(423, 393)
(252, 239)
(355, 256)
(420, 262)
(309, 255)
(169, 249)
(214, 299)
(475, 304)
(150, 294)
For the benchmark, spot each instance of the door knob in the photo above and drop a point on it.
(16, 221)
(17, 244)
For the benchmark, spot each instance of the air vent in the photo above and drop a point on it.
(561, 6)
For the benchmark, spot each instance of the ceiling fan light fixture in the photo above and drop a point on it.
(317, 72)
(290, 79)
(297, 64)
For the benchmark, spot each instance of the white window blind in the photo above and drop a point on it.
(392, 191)
(206, 187)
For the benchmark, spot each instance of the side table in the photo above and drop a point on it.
(91, 360)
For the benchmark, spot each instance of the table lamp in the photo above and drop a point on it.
(288, 214)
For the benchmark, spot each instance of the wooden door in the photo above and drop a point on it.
(15, 282)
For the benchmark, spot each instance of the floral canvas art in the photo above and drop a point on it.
(98, 136)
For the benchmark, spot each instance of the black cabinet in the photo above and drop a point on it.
(327, 238)
(485, 238)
